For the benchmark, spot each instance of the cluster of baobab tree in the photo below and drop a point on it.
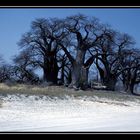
(65, 49)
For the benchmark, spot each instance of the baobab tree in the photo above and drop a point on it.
(131, 75)
(110, 54)
(40, 39)
(81, 35)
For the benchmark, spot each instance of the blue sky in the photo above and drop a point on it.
(15, 22)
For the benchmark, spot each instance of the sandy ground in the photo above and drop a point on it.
(19, 113)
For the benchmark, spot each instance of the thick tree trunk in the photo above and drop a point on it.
(126, 85)
(69, 78)
(50, 75)
(50, 71)
(110, 83)
(130, 88)
(45, 72)
(79, 77)
(79, 72)
(62, 75)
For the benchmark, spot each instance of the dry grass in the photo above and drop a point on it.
(61, 91)
(31, 89)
